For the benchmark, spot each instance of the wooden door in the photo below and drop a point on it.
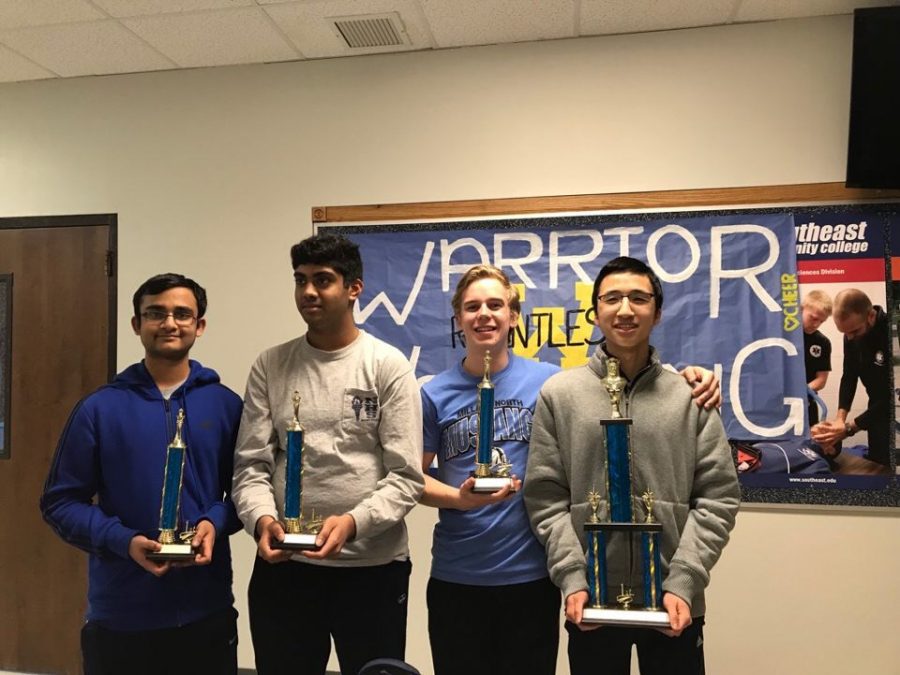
(62, 336)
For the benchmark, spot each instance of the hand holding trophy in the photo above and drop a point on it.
(299, 533)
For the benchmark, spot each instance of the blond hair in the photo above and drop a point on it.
(477, 273)
(818, 300)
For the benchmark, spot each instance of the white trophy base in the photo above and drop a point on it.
(639, 618)
(173, 552)
(297, 542)
(491, 485)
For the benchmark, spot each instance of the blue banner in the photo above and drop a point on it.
(729, 280)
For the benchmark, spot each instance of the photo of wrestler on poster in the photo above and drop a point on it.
(735, 284)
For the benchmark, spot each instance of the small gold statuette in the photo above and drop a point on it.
(648, 500)
(594, 501)
(625, 597)
(615, 386)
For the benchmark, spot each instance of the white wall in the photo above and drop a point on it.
(213, 173)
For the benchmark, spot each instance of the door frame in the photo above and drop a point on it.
(110, 220)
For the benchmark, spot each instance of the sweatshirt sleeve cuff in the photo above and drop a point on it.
(254, 516)
(217, 515)
(363, 521)
(118, 539)
(682, 583)
(573, 580)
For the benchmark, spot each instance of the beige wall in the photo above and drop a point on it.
(214, 172)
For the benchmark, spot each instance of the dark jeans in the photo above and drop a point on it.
(206, 646)
(608, 650)
(296, 608)
(493, 630)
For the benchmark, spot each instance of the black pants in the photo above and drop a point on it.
(296, 608)
(206, 646)
(493, 630)
(608, 650)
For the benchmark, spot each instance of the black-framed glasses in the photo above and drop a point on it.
(182, 317)
(635, 298)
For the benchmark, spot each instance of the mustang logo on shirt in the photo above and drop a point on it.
(512, 422)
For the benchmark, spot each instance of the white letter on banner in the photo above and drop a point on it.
(573, 261)
(653, 260)
(534, 255)
(447, 250)
(623, 232)
(360, 313)
(796, 406)
(716, 272)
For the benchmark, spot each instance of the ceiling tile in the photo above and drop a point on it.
(606, 17)
(217, 38)
(456, 23)
(307, 25)
(95, 48)
(765, 10)
(19, 13)
(121, 8)
(15, 68)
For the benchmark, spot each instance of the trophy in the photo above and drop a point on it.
(492, 468)
(176, 546)
(299, 534)
(621, 522)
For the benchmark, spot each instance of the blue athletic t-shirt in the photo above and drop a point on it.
(493, 545)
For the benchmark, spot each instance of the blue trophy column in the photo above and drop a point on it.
(618, 470)
(293, 474)
(485, 424)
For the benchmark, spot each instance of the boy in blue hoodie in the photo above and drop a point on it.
(104, 489)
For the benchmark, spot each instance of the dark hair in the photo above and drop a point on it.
(624, 264)
(163, 282)
(330, 250)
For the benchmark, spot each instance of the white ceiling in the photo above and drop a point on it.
(42, 39)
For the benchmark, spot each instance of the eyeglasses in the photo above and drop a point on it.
(635, 298)
(182, 317)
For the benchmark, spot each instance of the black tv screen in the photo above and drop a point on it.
(873, 153)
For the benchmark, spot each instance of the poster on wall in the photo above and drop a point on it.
(734, 283)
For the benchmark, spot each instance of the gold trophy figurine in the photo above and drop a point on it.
(615, 385)
(594, 501)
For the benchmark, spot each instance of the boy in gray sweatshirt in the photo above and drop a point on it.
(362, 452)
(679, 451)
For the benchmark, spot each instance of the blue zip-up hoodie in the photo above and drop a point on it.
(114, 447)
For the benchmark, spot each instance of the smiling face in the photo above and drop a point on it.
(626, 325)
(485, 316)
(168, 339)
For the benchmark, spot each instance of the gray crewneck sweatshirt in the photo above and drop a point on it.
(362, 455)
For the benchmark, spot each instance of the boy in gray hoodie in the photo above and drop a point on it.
(679, 451)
